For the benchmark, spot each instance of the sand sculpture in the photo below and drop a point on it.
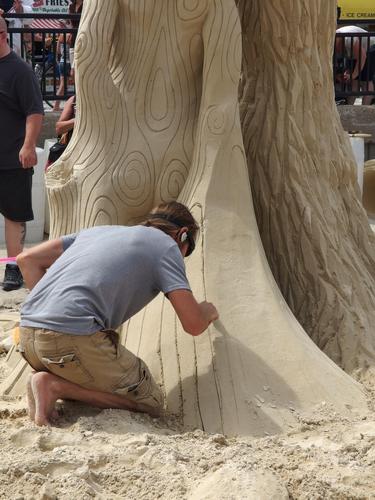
(304, 178)
(159, 119)
(368, 197)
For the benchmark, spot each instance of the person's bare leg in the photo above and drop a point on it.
(48, 388)
(30, 398)
(59, 92)
(355, 87)
(15, 233)
(367, 99)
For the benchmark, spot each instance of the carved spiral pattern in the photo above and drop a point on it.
(172, 180)
(132, 181)
(216, 121)
(191, 10)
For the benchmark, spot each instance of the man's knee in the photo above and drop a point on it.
(146, 393)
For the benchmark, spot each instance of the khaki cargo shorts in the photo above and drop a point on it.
(98, 362)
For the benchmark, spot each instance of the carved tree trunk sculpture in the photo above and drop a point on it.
(313, 227)
(159, 118)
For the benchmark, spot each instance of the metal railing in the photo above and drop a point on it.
(354, 64)
(39, 47)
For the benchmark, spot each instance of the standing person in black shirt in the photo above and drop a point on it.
(21, 111)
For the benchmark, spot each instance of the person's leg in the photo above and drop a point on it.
(16, 207)
(367, 99)
(30, 398)
(59, 91)
(26, 348)
(47, 388)
(355, 88)
(15, 233)
(93, 369)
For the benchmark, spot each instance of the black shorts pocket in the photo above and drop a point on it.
(67, 366)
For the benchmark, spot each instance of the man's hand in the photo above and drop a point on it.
(28, 156)
(209, 311)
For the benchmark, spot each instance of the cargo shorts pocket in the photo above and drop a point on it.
(146, 391)
(67, 366)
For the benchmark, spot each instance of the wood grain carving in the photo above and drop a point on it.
(313, 227)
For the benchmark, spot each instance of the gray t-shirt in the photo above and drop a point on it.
(20, 97)
(105, 275)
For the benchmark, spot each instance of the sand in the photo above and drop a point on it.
(116, 454)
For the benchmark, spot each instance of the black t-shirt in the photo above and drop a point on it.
(5, 5)
(20, 97)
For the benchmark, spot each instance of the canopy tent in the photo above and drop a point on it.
(357, 9)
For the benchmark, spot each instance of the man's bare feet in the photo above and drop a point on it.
(47, 388)
(30, 397)
(42, 385)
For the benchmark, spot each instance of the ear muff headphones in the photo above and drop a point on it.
(186, 235)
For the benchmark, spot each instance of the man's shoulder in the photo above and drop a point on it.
(18, 64)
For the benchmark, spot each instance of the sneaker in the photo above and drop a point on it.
(12, 278)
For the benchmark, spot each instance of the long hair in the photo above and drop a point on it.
(170, 216)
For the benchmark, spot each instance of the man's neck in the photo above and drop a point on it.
(4, 51)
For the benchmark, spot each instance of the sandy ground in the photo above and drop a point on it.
(114, 454)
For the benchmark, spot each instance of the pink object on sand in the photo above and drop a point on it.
(8, 259)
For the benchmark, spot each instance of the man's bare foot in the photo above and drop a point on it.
(30, 397)
(42, 385)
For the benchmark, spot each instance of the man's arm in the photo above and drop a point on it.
(27, 155)
(35, 261)
(66, 122)
(195, 317)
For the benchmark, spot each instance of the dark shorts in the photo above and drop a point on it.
(64, 71)
(15, 194)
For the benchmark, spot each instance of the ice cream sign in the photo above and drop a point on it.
(51, 6)
(357, 9)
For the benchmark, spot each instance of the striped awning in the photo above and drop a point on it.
(53, 24)
(47, 24)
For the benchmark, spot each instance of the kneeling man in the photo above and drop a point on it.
(86, 285)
